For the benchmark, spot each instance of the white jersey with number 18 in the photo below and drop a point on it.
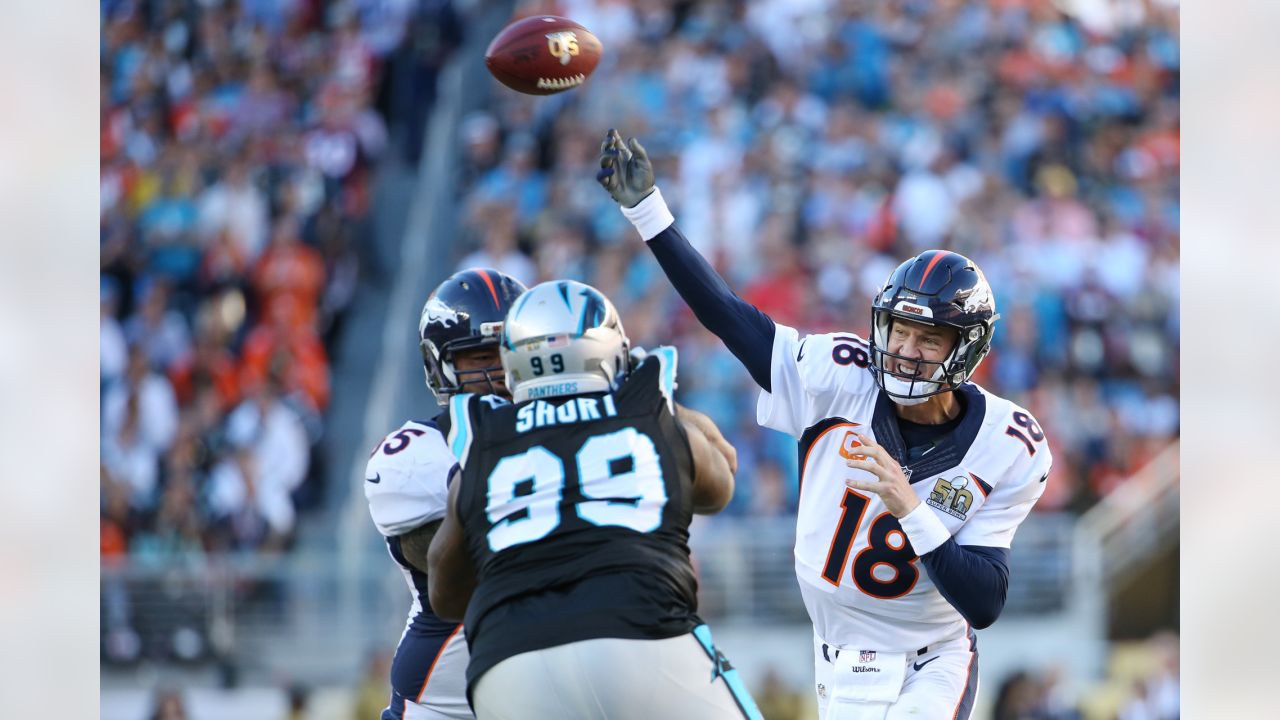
(862, 580)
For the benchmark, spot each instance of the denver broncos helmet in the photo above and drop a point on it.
(464, 312)
(939, 288)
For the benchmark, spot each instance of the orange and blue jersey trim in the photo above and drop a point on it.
(964, 706)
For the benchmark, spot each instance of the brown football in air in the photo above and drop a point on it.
(543, 54)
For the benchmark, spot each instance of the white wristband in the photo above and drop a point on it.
(923, 528)
(650, 215)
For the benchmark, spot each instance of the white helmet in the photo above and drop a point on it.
(561, 338)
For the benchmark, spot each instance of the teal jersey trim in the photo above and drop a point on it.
(667, 358)
(723, 669)
(460, 427)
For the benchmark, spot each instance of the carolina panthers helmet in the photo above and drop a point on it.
(464, 312)
(563, 337)
(939, 288)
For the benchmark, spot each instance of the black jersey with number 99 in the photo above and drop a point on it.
(576, 511)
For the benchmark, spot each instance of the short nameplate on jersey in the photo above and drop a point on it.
(541, 413)
(863, 676)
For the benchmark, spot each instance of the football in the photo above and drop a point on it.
(543, 55)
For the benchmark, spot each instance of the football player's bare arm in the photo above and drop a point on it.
(708, 427)
(712, 477)
(451, 578)
(415, 544)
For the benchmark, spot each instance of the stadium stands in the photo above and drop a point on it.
(807, 162)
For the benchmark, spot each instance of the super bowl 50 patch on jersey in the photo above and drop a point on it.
(955, 496)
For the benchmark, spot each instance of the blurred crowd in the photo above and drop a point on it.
(238, 140)
(808, 147)
(237, 146)
(1142, 682)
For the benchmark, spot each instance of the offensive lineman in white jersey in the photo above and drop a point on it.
(406, 483)
(913, 480)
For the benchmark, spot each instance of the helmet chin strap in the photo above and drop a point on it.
(899, 390)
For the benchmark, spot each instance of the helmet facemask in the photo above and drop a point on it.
(445, 379)
(930, 377)
(464, 313)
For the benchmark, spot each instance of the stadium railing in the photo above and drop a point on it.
(313, 618)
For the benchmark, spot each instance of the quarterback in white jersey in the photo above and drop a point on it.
(407, 485)
(913, 479)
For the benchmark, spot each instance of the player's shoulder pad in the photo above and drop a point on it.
(1017, 446)
(827, 361)
(406, 478)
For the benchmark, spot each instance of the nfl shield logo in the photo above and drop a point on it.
(866, 656)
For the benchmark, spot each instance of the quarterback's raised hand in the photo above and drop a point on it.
(625, 170)
(891, 484)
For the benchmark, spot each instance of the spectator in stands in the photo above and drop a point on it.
(496, 223)
(299, 698)
(160, 330)
(777, 701)
(1156, 697)
(209, 362)
(289, 272)
(371, 693)
(234, 210)
(168, 705)
(293, 348)
(139, 420)
(266, 461)
(113, 350)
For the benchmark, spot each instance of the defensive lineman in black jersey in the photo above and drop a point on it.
(569, 517)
